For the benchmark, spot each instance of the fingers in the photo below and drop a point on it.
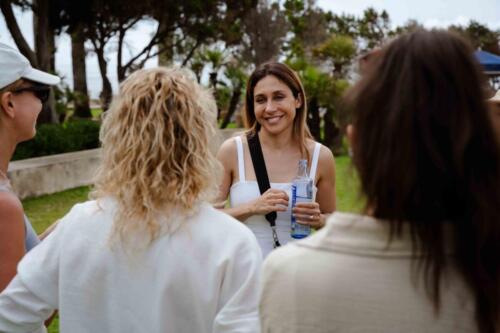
(307, 205)
(313, 221)
(278, 202)
(274, 193)
(274, 208)
(308, 213)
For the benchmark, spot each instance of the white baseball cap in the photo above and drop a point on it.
(14, 66)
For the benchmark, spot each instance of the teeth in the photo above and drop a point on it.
(273, 120)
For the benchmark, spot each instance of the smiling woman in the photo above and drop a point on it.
(22, 92)
(275, 112)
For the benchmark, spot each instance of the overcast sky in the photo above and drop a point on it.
(431, 13)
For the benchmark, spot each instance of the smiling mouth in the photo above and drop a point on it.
(274, 119)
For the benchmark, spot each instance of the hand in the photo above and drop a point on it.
(270, 201)
(308, 213)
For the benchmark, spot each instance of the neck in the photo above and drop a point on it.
(277, 141)
(6, 150)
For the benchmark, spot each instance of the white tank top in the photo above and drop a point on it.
(244, 191)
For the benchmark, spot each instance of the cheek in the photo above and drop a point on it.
(258, 110)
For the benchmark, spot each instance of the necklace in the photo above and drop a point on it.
(3, 175)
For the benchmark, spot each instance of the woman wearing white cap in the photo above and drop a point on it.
(23, 90)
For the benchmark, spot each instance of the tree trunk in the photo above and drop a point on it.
(44, 48)
(107, 91)
(120, 70)
(81, 99)
(16, 33)
(313, 120)
(213, 82)
(233, 103)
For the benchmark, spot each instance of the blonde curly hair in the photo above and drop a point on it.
(156, 159)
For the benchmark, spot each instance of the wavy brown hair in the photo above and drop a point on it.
(286, 75)
(156, 161)
(426, 155)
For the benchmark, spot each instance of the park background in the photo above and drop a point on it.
(94, 45)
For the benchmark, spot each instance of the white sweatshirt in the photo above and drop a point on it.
(202, 278)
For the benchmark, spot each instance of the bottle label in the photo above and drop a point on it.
(301, 192)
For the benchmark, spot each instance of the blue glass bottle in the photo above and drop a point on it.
(302, 191)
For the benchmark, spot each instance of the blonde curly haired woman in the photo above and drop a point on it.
(147, 255)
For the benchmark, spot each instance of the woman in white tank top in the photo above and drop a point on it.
(276, 109)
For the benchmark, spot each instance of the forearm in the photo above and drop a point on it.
(241, 213)
(21, 310)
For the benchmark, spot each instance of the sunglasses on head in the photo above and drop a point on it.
(40, 91)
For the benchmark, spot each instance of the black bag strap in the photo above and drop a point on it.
(259, 166)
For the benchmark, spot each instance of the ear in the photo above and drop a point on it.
(298, 101)
(7, 104)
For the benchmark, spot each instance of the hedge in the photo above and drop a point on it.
(53, 139)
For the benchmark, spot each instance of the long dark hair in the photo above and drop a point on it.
(426, 154)
(286, 75)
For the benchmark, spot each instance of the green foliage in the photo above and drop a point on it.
(56, 139)
(223, 96)
(374, 28)
(339, 50)
(480, 36)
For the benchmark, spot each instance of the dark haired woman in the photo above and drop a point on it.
(275, 111)
(425, 257)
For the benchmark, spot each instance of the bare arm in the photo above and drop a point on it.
(12, 234)
(326, 196)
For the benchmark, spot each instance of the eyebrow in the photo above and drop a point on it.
(274, 92)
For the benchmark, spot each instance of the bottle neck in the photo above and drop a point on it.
(302, 172)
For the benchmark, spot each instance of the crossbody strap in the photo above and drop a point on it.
(259, 165)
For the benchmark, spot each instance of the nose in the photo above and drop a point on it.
(270, 106)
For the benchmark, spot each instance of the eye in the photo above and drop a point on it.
(260, 100)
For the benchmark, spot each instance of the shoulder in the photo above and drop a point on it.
(283, 259)
(11, 208)
(223, 224)
(326, 161)
(87, 213)
(222, 220)
(325, 154)
(227, 150)
(325, 158)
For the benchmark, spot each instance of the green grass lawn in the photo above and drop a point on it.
(45, 210)
(347, 186)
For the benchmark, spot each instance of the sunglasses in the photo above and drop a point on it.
(41, 92)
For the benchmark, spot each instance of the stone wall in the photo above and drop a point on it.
(49, 174)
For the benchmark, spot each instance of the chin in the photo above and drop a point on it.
(275, 130)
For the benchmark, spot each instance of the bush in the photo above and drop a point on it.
(57, 139)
